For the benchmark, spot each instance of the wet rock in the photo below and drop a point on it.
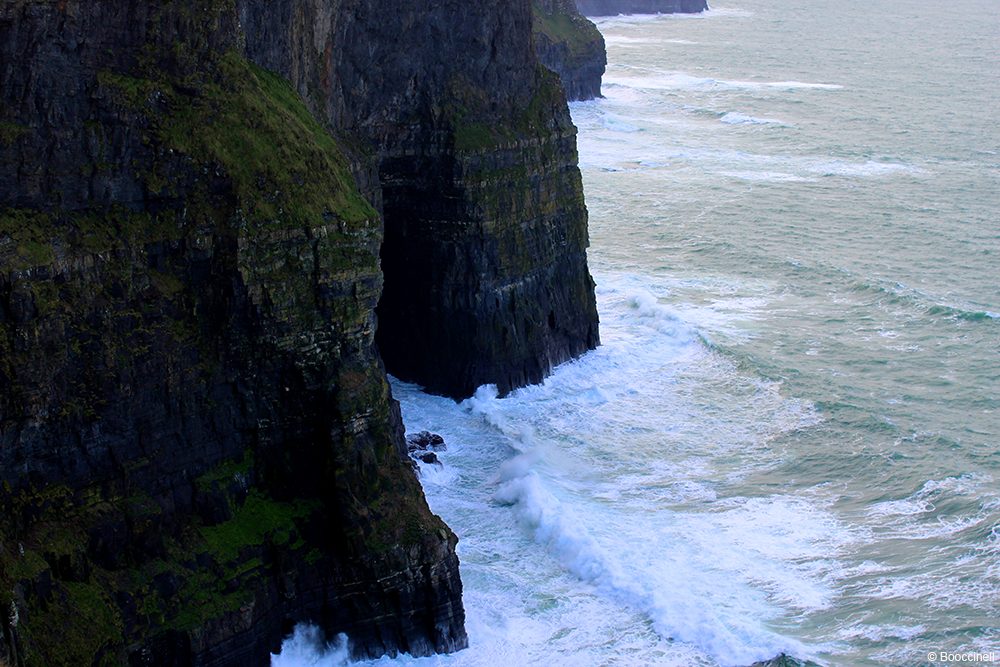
(425, 440)
(429, 457)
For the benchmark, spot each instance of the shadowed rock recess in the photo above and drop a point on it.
(571, 46)
(616, 7)
(198, 446)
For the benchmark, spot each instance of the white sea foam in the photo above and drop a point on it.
(768, 176)
(586, 486)
(623, 41)
(879, 632)
(724, 12)
(916, 517)
(609, 22)
(621, 144)
(786, 85)
(306, 648)
(655, 80)
(734, 118)
(660, 585)
(868, 169)
(617, 124)
(938, 590)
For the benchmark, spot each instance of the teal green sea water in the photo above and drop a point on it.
(817, 186)
(789, 440)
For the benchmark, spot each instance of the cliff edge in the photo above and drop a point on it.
(571, 46)
(616, 7)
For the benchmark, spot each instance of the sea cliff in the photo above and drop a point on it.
(571, 46)
(615, 7)
(484, 254)
(216, 220)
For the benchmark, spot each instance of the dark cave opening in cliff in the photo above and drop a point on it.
(408, 308)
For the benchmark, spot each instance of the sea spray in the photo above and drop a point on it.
(306, 647)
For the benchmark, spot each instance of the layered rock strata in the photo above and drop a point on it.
(571, 46)
(616, 7)
(198, 446)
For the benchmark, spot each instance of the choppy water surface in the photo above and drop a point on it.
(790, 439)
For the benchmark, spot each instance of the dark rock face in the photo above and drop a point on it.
(571, 46)
(485, 225)
(502, 226)
(198, 447)
(616, 7)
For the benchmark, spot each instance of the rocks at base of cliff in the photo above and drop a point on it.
(616, 7)
(571, 46)
(429, 457)
(425, 440)
(423, 446)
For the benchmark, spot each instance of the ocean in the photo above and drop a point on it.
(789, 440)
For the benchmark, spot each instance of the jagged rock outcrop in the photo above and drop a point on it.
(571, 46)
(198, 447)
(616, 7)
(485, 225)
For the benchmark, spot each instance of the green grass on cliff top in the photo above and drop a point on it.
(283, 163)
(575, 31)
(285, 168)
